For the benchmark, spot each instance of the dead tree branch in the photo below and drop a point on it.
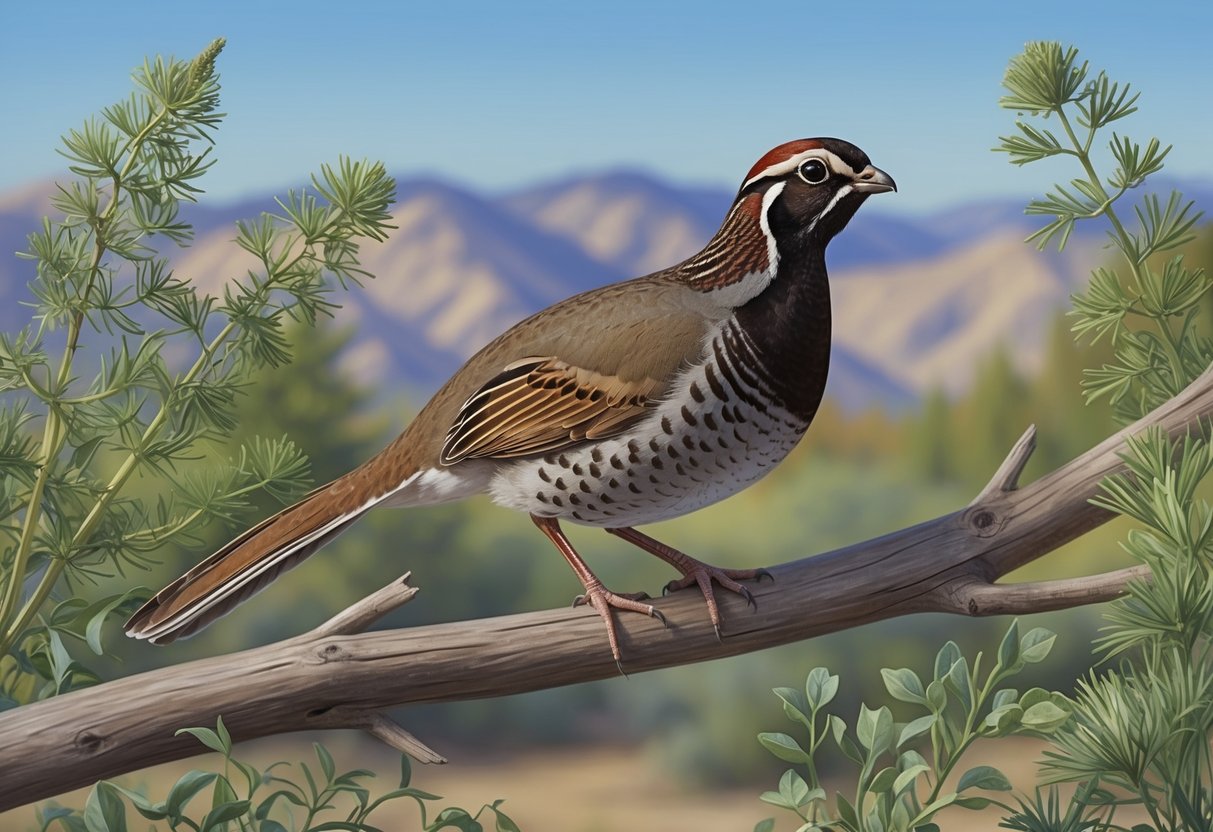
(339, 676)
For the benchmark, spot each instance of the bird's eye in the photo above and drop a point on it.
(814, 171)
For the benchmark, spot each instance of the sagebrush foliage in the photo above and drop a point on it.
(128, 370)
(1140, 729)
(1147, 308)
(1137, 733)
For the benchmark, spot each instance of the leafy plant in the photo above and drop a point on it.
(169, 365)
(148, 367)
(1140, 730)
(1136, 734)
(1043, 812)
(270, 800)
(898, 788)
(1147, 308)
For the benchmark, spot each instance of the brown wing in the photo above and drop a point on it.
(540, 404)
(628, 341)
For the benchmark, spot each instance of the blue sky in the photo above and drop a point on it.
(496, 95)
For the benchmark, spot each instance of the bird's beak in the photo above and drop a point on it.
(873, 180)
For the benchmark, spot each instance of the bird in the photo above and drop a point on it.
(624, 405)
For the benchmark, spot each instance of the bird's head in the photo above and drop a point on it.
(792, 202)
(810, 188)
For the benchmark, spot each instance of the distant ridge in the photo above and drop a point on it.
(916, 300)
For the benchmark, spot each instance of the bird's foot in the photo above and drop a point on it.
(697, 573)
(603, 600)
(581, 600)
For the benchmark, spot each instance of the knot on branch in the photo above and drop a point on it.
(982, 521)
(331, 652)
(89, 742)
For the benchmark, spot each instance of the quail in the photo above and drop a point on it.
(624, 405)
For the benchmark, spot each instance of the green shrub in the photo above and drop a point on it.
(269, 800)
(69, 508)
(1135, 733)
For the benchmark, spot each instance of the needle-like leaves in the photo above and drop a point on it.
(1143, 728)
(148, 369)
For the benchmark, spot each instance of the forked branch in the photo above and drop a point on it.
(339, 676)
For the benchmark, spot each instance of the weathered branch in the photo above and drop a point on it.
(979, 597)
(380, 727)
(1006, 478)
(362, 614)
(336, 676)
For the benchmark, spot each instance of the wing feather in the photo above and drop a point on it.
(540, 404)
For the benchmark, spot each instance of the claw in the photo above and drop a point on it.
(749, 598)
(580, 600)
(759, 574)
(603, 600)
(703, 576)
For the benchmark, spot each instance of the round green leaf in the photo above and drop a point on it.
(984, 777)
(783, 747)
(1035, 646)
(916, 728)
(874, 728)
(1004, 719)
(1044, 717)
(793, 787)
(795, 706)
(820, 687)
(904, 685)
(884, 780)
(104, 810)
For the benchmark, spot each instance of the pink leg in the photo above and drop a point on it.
(596, 595)
(696, 572)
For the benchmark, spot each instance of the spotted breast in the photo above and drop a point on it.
(720, 428)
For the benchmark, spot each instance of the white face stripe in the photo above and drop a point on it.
(768, 199)
(832, 161)
(843, 191)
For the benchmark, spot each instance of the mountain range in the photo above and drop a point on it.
(917, 301)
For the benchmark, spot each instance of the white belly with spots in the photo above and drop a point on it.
(713, 436)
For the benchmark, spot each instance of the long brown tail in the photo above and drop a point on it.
(249, 563)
